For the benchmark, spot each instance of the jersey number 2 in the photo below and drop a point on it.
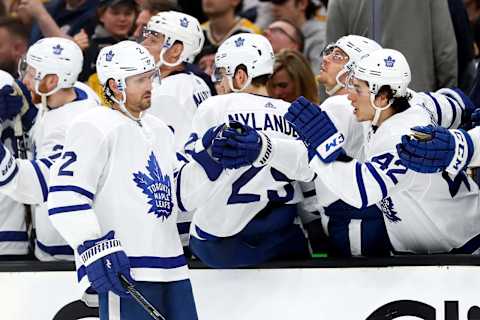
(71, 158)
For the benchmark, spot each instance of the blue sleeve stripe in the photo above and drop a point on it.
(64, 250)
(10, 177)
(41, 180)
(13, 236)
(55, 156)
(78, 207)
(46, 162)
(361, 185)
(437, 106)
(158, 262)
(378, 178)
(454, 111)
(183, 227)
(177, 190)
(75, 189)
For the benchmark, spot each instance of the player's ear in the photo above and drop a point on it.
(240, 77)
(51, 81)
(176, 50)
(113, 87)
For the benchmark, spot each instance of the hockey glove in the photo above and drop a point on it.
(202, 153)
(16, 100)
(240, 146)
(8, 165)
(475, 118)
(439, 149)
(104, 259)
(316, 130)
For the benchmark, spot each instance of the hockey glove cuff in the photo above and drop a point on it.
(203, 153)
(104, 259)
(8, 166)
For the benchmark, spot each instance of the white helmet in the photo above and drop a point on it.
(355, 47)
(58, 56)
(385, 67)
(254, 51)
(178, 26)
(120, 61)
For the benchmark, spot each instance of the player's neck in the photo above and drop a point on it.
(261, 91)
(341, 92)
(61, 98)
(165, 71)
(385, 115)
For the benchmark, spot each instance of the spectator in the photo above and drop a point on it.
(13, 44)
(223, 21)
(148, 9)
(283, 34)
(473, 11)
(428, 43)
(292, 77)
(465, 43)
(302, 12)
(59, 18)
(116, 19)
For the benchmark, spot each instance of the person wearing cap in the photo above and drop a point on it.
(302, 12)
(115, 22)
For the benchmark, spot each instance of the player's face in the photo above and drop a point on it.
(282, 86)
(29, 81)
(332, 63)
(139, 92)
(287, 9)
(153, 41)
(359, 95)
(221, 81)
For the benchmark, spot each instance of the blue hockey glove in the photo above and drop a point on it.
(202, 153)
(240, 146)
(104, 259)
(10, 103)
(436, 149)
(475, 118)
(316, 130)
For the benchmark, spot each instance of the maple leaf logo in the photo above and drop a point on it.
(157, 187)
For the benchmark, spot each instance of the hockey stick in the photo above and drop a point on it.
(147, 306)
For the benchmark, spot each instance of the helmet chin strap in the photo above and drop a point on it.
(121, 104)
(338, 85)
(245, 85)
(378, 110)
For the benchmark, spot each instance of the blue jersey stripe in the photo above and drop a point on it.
(41, 180)
(437, 106)
(158, 262)
(361, 185)
(55, 250)
(13, 236)
(81, 272)
(177, 190)
(378, 178)
(309, 193)
(10, 177)
(454, 111)
(46, 162)
(75, 189)
(469, 247)
(74, 208)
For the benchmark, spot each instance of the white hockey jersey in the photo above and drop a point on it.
(117, 174)
(237, 195)
(30, 185)
(421, 211)
(175, 102)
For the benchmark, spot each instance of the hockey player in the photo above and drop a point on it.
(53, 65)
(117, 168)
(248, 217)
(410, 201)
(174, 39)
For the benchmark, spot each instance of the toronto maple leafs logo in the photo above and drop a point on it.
(109, 56)
(157, 187)
(239, 42)
(389, 62)
(184, 22)
(386, 205)
(57, 49)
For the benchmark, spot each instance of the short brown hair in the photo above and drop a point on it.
(298, 68)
